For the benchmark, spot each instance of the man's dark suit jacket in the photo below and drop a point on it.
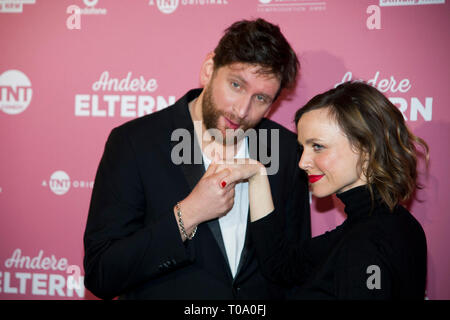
(133, 247)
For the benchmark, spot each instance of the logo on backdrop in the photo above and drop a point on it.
(41, 275)
(373, 22)
(412, 108)
(14, 6)
(15, 92)
(291, 6)
(392, 3)
(91, 9)
(169, 6)
(74, 19)
(124, 97)
(60, 183)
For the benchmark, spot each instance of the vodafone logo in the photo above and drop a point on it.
(15, 92)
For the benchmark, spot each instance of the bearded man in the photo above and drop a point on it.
(159, 228)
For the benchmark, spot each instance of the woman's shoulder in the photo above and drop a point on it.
(387, 232)
(401, 224)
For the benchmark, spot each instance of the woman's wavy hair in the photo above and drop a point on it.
(377, 129)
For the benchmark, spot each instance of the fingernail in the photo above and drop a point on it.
(223, 184)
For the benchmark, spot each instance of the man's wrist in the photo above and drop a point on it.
(188, 219)
(185, 231)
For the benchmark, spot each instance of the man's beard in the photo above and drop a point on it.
(211, 116)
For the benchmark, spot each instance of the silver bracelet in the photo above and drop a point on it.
(183, 231)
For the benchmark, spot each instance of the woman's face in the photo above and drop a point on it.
(328, 157)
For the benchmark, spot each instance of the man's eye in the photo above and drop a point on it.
(235, 85)
(260, 98)
(317, 147)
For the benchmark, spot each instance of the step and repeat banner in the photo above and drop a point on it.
(72, 70)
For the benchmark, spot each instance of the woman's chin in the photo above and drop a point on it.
(320, 194)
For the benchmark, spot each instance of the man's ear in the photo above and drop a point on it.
(207, 69)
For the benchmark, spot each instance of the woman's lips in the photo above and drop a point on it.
(231, 124)
(314, 178)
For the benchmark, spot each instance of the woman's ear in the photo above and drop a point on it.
(364, 162)
(207, 69)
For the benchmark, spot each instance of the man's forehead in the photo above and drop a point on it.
(257, 69)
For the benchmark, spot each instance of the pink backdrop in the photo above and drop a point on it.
(56, 109)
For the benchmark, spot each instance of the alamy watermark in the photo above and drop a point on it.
(374, 280)
(259, 145)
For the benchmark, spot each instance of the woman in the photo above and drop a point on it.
(355, 144)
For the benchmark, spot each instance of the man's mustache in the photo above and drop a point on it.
(237, 120)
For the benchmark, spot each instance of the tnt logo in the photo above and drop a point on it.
(166, 6)
(59, 182)
(15, 92)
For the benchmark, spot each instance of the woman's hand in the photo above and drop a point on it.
(260, 196)
(241, 170)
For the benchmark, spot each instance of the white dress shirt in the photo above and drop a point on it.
(234, 224)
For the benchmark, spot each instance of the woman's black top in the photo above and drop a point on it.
(371, 255)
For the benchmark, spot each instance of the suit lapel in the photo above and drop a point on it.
(194, 170)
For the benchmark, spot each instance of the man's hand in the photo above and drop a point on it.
(211, 198)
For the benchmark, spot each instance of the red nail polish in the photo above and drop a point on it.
(223, 184)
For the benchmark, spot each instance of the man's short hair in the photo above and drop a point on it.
(258, 42)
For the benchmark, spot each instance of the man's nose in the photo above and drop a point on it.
(242, 107)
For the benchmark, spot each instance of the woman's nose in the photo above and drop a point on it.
(305, 161)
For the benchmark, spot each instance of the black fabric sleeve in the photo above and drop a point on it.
(280, 237)
(364, 271)
(297, 226)
(282, 261)
(125, 244)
